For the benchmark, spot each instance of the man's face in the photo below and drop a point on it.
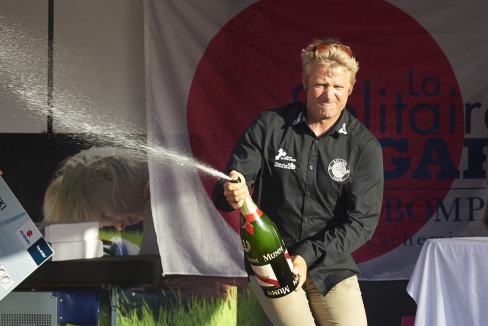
(327, 93)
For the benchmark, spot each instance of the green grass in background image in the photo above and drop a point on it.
(136, 308)
(133, 236)
(151, 307)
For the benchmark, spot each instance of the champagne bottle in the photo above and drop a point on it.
(266, 251)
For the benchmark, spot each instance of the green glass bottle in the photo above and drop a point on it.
(266, 251)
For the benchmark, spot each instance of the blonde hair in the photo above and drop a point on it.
(65, 198)
(334, 56)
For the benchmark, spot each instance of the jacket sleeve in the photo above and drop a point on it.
(246, 158)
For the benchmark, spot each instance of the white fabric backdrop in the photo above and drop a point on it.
(193, 238)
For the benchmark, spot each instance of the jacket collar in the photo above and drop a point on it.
(340, 127)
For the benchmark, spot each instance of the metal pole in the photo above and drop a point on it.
(50, 58)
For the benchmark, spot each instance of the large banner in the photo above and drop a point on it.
(213, 65)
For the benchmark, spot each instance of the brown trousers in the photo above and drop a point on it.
(343, 305)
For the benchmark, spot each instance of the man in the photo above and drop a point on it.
(317, 172)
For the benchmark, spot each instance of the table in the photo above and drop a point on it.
(125, 271)
(107, 272)
(450, 282)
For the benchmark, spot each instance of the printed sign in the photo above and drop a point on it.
(22, 246)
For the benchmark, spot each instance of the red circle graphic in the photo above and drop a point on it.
(406, 93)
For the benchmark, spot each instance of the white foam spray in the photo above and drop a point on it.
(22, 75)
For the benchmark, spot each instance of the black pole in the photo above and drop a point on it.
(50, 66)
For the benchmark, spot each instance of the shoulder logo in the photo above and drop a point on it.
(339, 169)
(283, 161)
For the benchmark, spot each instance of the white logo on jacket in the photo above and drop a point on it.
(284, 161)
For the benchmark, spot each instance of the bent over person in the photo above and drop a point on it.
(317, 172)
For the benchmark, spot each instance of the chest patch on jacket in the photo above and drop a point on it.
(283, 161)
(339, 169)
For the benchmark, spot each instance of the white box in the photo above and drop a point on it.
(77, 249)
(70, 231)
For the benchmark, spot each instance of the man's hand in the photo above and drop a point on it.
(299, 269)
(235, 192)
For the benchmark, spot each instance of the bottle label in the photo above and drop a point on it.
(288, 259)
(249, 218)
(268, 281)
(265, 275)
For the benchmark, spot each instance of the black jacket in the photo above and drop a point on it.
(324, 194)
